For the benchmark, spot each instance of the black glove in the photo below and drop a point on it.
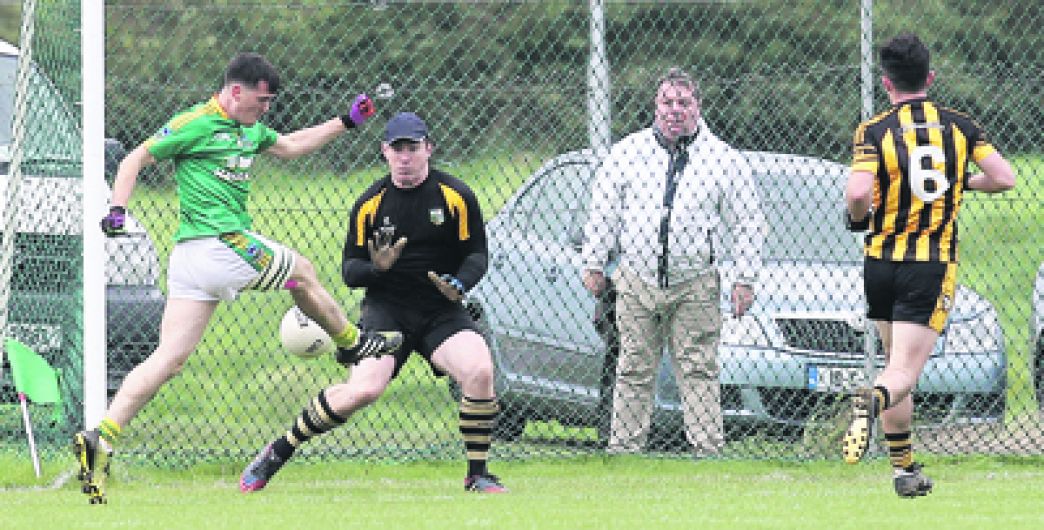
(113, 224)
(858, 226)
(449, 285)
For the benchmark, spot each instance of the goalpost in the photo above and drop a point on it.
(92, 14)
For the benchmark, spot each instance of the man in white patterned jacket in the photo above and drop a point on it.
(663, 199)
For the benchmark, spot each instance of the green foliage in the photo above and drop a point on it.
(10, 20)
(515, 74)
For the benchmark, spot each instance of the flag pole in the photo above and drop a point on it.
(29, 433)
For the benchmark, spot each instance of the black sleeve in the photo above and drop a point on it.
(474, 249)
(356, 268)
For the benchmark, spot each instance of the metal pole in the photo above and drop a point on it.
(599, 119)
(866, 58)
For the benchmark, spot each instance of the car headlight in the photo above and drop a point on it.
(743, 331)
(976, 335)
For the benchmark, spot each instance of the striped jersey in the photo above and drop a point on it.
(918, 152)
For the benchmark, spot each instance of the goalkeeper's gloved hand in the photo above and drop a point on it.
(384, 254)
(858, 226)
(362, 109)
(449, 285)
(113, 224)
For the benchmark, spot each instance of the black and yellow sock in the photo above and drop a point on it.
(109, 431)
(882, 400)
(900, 449)
(476, 425)
(315, 419)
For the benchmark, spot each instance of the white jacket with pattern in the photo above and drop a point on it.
(715, 203)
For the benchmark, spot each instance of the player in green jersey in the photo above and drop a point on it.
(216, 255)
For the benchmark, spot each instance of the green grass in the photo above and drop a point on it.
(1000, 251)
(596, 493)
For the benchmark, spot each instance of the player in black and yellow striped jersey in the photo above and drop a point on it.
(909, 176)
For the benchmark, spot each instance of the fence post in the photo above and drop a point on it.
(599, 115)
(866, 58)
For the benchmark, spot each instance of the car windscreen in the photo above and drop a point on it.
(803, 208)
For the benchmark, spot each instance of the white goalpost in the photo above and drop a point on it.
(92, 13)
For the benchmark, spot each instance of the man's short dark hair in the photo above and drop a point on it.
(250, 69)
(677, 77)
(904, 59)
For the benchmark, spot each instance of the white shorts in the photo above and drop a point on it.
(219, 268)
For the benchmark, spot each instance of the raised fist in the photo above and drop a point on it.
(362, 109)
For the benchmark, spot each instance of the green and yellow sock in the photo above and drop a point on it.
(348, 337)
(109, 431)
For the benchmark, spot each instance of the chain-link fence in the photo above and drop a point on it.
(523, 100)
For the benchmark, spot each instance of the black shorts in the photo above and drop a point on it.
(422, 331)
(909, 291)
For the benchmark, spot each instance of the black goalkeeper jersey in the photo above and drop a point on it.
(442, 223)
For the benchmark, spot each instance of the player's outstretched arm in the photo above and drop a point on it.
(997, 175)
(304, 141)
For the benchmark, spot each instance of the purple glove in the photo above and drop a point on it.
(362, 109)
(113, 224)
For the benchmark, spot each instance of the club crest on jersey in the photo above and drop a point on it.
(437, 216)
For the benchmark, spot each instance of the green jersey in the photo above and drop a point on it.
(212, 155)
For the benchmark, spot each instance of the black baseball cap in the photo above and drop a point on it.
(405, 126)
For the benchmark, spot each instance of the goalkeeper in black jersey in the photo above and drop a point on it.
(909, 175)
(416, 242)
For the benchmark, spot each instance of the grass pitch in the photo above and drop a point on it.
(596, 493)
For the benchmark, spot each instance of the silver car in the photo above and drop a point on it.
(799, 348)
(45, 267)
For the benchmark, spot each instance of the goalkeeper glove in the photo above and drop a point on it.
(449, 285)
(384, 254)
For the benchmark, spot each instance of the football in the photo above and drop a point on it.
(302, 337)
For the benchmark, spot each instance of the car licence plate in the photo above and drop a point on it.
(835, 378)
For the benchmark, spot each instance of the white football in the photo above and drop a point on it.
(302, 337)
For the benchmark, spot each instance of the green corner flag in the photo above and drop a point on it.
(33, 377)
(32, 374)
